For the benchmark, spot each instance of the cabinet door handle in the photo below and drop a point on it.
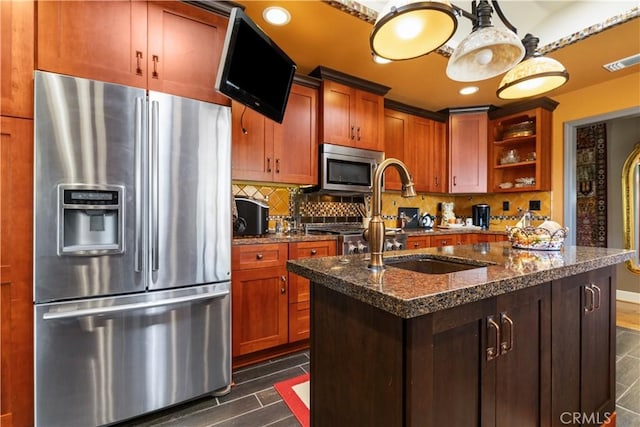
(436, 180)
(259, 257)
(506, 345)
(268, 164)
(492, 352)
(352, 135)
(454, 181)
(283, 289)
(415, 245)
(588, 308)
(597, 299)
(155, 60)
(313, 252)
(359, 133)
(138, 58)
(277, 165)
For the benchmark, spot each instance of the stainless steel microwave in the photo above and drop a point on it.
(347, 169)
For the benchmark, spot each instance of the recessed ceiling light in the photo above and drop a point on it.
(276, 15)
(468, 90)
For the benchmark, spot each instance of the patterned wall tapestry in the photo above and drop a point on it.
(591, 176)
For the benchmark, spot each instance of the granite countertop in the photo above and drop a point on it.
(408, 294)
(301, 237)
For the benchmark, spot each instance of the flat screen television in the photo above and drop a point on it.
(253, 69)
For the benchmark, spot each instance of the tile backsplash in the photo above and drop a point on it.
(289, 202)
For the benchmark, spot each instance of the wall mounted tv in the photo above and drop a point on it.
(253, 69)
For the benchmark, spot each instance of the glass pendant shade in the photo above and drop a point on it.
(485, 53)
(407, 29)
(535, 75)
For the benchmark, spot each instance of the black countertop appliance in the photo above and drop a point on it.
(252, 219)
(481, 216)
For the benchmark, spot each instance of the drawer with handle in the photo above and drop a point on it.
(259, 256)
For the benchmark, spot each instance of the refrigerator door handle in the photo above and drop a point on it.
(155, 184)
(134, 306)
(139, 185)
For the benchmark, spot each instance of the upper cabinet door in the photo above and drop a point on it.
(295, 141)
(438, 159)
(185, 44)
(251, 144)
(419, 162)
(337, 114)
(16, 67)
(468, 152)
(101, 40)
(369, 122)
(396, 140)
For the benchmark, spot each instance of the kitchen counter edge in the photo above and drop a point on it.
(409, 294)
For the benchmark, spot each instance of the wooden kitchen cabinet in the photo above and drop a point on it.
(16, 73)
(479, 351)
(418, 242)
(259, 297)
(263, 150)
(184, 48)
(583, 345)
(418, 142)
(166, 46)
(485, 363)
(351, 110)
(16, 278)
(396, 145)
(468, 152)
(299, 286)
(351, 117)
(450, 239)
(528, 134)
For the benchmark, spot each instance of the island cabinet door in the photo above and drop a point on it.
(583, 347)
(523, 366)
(482, 364)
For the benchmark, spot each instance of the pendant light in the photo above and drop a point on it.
(486, 52)
(406, 29)
(535, 75)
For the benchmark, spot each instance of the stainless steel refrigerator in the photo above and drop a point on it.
(132, 250)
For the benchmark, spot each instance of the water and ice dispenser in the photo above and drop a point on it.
(91, 220)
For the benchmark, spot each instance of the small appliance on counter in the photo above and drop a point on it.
(253, 217)
(481, 216)
(427, 221)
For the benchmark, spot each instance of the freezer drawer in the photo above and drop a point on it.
(106, 360)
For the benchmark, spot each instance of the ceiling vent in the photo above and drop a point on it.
(623, 63)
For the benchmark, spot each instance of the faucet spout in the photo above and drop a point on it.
(376, 231)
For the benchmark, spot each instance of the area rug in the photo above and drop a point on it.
(591, 185)
(295, 393)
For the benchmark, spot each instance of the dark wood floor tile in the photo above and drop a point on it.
(625, 418)
(266, 368)
(631, 399)
(627, 342)
(218, 414)
(627, 370)
(287, 422)
(268, 396)
(263, 417)
(260, 383)
(170, 414)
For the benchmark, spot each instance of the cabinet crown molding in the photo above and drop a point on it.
(520, 106)
(409, 109)
(323, 73)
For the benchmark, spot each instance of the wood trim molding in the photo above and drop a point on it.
(322, 72)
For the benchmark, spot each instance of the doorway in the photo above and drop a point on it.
(625, 129)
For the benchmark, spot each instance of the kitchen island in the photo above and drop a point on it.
(527, 338)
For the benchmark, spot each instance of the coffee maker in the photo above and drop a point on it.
(481, 216)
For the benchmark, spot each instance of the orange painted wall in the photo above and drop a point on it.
(614, 95)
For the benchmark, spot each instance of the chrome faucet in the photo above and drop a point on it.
(376, 231)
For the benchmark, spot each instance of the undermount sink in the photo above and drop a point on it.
(432, 265)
